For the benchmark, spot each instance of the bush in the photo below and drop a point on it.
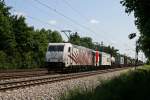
(3, 60)
(77, 94)
(132, 86)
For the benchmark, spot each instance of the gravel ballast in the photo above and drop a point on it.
(54, 90)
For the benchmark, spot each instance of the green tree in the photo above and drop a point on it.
(20, 45)
(86, 42)
(40, 45)
(24, 39)
(142, 21)
(7, 39)
(111, 50)
(54, 37)
(108, 49)
(3, 60)
(74, 38)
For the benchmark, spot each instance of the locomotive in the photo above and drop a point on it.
(67, 56)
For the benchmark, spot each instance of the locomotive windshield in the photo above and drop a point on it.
(56, 48)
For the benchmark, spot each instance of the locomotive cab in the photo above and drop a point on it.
(67, 56)
(56, 55)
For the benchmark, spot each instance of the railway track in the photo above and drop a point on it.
(51, 79)
(6, 75)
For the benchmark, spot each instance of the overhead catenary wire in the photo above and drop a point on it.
(45, 13)
(81, 14)
(39, 20)
(51, 24)
(68, 18)
(75, 10)
(61, 15)
(43, 22)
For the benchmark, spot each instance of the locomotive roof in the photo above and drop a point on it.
(58, 43)
(76, 45)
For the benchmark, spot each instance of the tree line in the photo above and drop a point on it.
(87, 42)
(23, 46)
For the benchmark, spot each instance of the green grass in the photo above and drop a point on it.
(146, 67)
(134, 85)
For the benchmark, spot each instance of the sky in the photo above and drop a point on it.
(102, 20)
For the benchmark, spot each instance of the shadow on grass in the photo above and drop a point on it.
(132, 86)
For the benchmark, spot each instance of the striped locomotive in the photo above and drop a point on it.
(65, 55)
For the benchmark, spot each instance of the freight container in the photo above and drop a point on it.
(105, 59)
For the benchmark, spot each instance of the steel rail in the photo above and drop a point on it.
(11, 75)
(32, 82)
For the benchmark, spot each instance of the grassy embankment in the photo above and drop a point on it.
(134, 85)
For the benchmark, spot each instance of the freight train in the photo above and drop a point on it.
(67, 56)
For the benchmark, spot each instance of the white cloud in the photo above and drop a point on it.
(114, 42)
(52, 22)
(20, 14)
(94, 21)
